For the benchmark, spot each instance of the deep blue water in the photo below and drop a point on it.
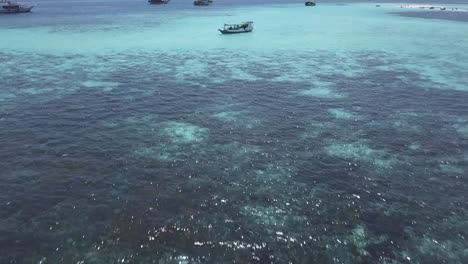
(73, 187)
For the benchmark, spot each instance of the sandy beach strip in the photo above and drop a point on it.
(434, 7)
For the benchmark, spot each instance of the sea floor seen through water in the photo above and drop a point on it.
(332, 134)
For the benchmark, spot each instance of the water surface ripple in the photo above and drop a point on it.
(234, 156)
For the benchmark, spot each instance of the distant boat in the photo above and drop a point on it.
(310, 3)
(158, 2)
(202, 2)
(13, 7)
(243, 27)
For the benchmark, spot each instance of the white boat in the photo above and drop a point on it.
(13, 7)
(243, 27)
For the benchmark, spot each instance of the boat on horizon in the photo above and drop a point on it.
(243, 27)
(158, 2)
(14, 7)
(310, 3)
(202, 2)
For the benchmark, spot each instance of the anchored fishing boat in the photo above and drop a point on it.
(158, 2)
(310, 3)
(13, 7)
(243, 27)
(202, 2)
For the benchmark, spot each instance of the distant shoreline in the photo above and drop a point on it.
(434, 7)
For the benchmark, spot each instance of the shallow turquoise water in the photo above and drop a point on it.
(334, 134)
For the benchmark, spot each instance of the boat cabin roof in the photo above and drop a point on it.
(242, 23)
(9, 5)
(8, 2)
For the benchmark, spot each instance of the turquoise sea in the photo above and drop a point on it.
(136, 133)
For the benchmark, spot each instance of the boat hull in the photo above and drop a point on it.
(202, 2)
(233, 32)
(158, 2)
(21, 9)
